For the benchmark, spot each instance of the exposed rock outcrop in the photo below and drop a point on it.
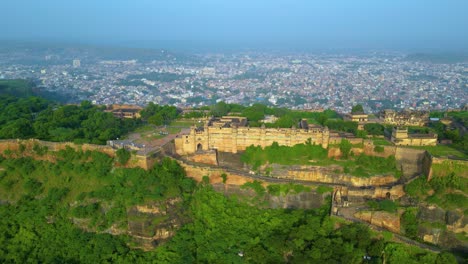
(390, 221)
(153, 224)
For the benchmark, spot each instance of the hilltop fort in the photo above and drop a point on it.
(232, 134)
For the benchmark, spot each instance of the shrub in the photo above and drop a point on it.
(256, 186)
(224, 177)
(379, 149)
(123, 156)
(409, 223)
(324, 189)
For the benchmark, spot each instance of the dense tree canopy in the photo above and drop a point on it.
(42, 201)
(35, 117)
(159, 115)
(357, 109)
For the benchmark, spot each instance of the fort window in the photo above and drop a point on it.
(199, 147)
(387, 195)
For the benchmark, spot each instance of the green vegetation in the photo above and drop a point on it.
(90, 175)
(345, 148)
(284, 189)
(159, 115)
(256, 186)
(19, 87)
(45, 197)
(443, 151)
(383, 205)
(324, 189)
(309, 154)
(379, 149)
(344, 126)
(410, 223)
(123, 156)
(257, 112)
(38, 227)
(374, 129)
(357, 109)
(298, 154)
(443, 189)
(454, 131)
(38, 118)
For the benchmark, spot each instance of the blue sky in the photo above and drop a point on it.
(373, 24)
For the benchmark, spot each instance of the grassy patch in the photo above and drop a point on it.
(146, 128)
(448, 192)
(173, 130)
(324, 189)
(180, 123)
(384, 205)
(283, 189)
(443, 151)
(308, 154)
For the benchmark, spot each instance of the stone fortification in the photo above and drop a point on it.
(15, 145)
(401, 137)
(232, 137)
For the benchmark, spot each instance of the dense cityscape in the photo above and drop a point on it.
(297, 81)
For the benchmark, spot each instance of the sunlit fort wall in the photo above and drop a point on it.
(234, 139)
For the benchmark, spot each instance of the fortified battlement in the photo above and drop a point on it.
(400, 137)
(231, 135)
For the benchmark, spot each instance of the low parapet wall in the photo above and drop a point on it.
(14, 145)
(29, 145)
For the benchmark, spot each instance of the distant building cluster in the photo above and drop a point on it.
(296, 81)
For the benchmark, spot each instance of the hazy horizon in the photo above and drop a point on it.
(438, 26)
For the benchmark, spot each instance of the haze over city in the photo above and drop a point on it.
(219, 25)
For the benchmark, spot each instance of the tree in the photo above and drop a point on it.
(220, 109)
(409, 223)
(123, 156)
(357, 109)
(374, 129)
(345, 148)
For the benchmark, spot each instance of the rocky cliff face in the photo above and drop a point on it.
(206, 157)
(389, 221)
(440, 227)
(153, 224)
(454, 220)
(332, 175)
(303, 200)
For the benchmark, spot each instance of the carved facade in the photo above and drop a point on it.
(400, 137)
(229, 134)
(405, 118)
